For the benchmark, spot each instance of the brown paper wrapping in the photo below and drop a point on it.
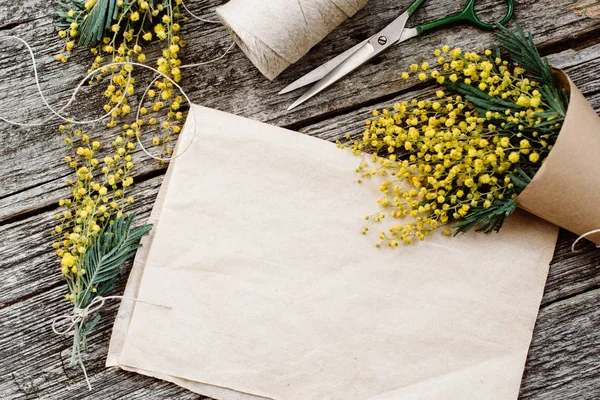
(566, 189)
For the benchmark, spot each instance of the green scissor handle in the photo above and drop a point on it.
(467, 15)
(414, 6)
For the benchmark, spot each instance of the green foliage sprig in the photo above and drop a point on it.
(114, 245)
(110, 248)
(93, 17)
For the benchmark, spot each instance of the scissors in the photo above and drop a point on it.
(340, 66)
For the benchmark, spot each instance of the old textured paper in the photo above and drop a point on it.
(274, 292)
(276, 33)
(566, 189)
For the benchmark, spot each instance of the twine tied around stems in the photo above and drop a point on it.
(75, 322)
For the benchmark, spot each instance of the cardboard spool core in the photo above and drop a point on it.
(566, 189)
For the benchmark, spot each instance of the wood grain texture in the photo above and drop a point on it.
(564, 358)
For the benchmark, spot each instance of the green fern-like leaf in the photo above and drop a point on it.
(112, 246)
(523, 51)
(93, 22)
(102, 15)
(63, 13)
(487, 219)
(482, 100)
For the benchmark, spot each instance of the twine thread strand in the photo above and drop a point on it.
(57, 114)
(573, 250)
(78, 316)
(210, 21)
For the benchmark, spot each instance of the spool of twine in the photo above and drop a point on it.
(275, 34)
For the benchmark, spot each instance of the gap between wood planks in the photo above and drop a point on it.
(10, 25)
(566, 297)
(52, 206)
(56, 285)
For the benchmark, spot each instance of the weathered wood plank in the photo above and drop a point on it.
(35, 361)
(562, 364)
(232, 84)
(564, 354)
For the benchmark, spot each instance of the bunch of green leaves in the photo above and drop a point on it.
(523, 52)
(63, 12)
(110, 248)
(94, 17)
(116, 243)
(92, 21)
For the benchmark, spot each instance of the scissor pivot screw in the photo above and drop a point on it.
(382, 40)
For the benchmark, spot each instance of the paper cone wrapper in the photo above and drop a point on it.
(566, 189)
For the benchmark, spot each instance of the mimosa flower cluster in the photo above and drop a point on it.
(456, 160)
(136, 23)
(99, 191)
(94, 236)
(97, 194)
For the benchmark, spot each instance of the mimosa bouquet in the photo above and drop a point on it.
(501, 133)
(95, 234)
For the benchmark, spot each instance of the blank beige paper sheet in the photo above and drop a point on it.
(270, 291)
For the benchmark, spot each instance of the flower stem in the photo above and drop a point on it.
(76, 344)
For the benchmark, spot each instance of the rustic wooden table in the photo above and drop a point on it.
(564, 360)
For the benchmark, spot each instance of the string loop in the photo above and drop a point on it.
(57, 113)
(210, 21)
(582, 237)
(75, 91)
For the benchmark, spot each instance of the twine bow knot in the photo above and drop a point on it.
(78, 316)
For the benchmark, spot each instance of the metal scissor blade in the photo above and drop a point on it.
(319, 72)
(408, 33)
(361, 56)
(375, 45)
